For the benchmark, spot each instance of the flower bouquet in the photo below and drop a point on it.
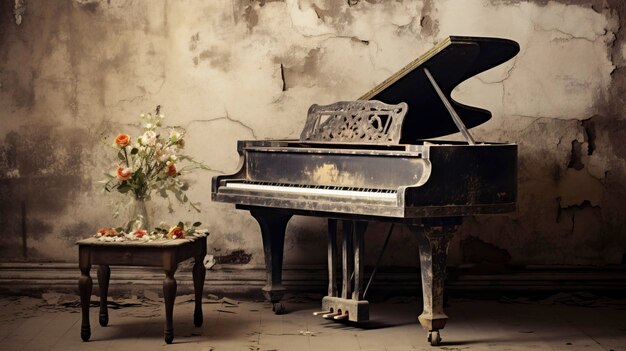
(153, 161)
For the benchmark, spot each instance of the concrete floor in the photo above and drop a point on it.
(564, 322)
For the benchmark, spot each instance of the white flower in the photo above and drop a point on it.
(148, 138)
(163, 155)
(166, 154)
(174, 136)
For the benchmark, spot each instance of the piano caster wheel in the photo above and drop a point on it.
(278, 308)
(434, 338)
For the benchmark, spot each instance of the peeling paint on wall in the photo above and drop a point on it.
(235, 257)
(19, 10)
(477, 251)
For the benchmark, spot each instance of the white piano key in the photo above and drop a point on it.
(311, 191)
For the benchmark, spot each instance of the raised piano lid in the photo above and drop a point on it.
(450, 62)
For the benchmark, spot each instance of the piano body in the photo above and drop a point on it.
(374, 160)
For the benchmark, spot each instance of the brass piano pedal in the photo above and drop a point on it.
(330, 315)
(321, 313)
(341, 316)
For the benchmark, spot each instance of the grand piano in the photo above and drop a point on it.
(380, 158)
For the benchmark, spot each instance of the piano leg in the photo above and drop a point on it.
(433, 248)
(273, 225)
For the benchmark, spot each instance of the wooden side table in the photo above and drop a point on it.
(161, 253)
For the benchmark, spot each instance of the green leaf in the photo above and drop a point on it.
(138, 176)
(197, 224)
(120, 155)
(181, 225)
(134, 151)
(124, 188)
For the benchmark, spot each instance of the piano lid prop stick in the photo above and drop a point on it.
(380, 257)
(455, 117)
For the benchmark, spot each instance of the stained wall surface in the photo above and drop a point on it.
(74, 73)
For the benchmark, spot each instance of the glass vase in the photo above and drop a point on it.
(139, 215)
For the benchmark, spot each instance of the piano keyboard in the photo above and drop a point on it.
(315, 190)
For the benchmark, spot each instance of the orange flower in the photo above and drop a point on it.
(106, 232)
(176, 233)
(122, 140)
(140, 233)
(171, 170)
(123, 173)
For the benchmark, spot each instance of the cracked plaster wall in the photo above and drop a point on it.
(73, 73)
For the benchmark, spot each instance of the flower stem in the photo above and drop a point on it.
(126, 157)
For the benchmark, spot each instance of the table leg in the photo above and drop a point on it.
(169, 295)
(199, 273)
(104, 273)
(84, 287)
